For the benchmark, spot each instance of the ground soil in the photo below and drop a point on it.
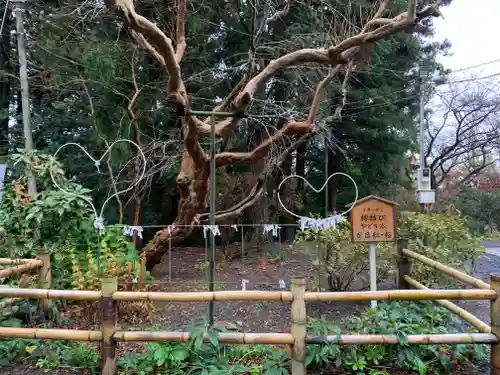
(261, 273)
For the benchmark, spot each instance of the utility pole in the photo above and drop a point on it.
(25, 95)
(425, 194)
(423, 77)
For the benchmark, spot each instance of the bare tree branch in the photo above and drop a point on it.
(466, 136)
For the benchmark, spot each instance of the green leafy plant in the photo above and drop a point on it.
(449, 241)
(62, 223)
(49, 355)
(342, 261)
(400, 319)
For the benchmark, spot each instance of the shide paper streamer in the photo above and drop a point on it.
(273, 228)
(99, 222)
(212, 228)
(306, 222)
(130, 230)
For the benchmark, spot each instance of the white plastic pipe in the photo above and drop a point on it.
(373, 273)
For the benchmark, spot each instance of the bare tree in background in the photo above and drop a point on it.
(194, 173)
(464, 141)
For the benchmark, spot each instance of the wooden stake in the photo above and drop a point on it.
(109, 310)
(495, 325)
(142, 271)
(44, 277)
(404, 264)
(299, 321)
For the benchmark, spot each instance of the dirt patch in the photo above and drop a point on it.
(187, 272)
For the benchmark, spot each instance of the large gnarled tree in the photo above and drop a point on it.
(195, 167)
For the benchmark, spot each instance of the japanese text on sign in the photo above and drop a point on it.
(373, 221)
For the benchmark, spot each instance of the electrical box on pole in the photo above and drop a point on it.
(425, 193)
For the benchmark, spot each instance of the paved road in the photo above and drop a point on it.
(488, 264)
(492, 247)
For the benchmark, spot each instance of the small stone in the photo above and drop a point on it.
(232, 327)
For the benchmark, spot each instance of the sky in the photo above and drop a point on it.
(472, 26)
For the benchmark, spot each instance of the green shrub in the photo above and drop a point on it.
(400, 319)
(449, 241)
(62, 223)
(342, 260)
(480, 207)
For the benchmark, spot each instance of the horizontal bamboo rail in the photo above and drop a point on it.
(50, 334)
(229, 295)
(23, 283)
(245, 338)
(28, 266)
(287, 338)
(226, 338)
(72, 295)
(10, 262)
(462, 313)
(402, 295)
(447, 270)
(449, 339)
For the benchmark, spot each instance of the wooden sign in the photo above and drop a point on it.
(373, 219)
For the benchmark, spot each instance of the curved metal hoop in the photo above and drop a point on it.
(316, 191)
(97, 163)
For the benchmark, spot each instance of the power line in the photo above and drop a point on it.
(474, 79)
(476, 66)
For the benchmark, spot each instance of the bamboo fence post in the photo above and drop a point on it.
(44, 277)
(495, 325)
(299, 321)
(109, 310)
(142, 271)
(403, 264)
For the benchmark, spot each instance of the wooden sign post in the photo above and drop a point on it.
(373, 220)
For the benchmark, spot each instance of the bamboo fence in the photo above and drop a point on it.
(22, 266)
(110, 336)
(447, 270)
(405, 257)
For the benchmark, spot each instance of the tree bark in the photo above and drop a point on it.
(5, 84)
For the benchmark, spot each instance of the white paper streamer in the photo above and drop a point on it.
(274, 228)
(99, 224)
(282, 284)
(329, 222)
(130, 230)
(244, 283)
(235, 227)
(212, 228)
(309, 222)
